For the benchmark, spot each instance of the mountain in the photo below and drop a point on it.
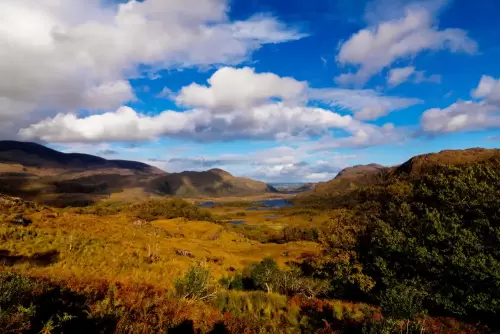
(421, 164)
(39, 156)
(214, 182)
(359, 176)
(35, 172)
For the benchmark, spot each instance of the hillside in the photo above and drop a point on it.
(356, 177)
(35, 172)
(214, 182)
(38, 156)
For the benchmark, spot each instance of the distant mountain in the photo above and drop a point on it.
(35, 172)
(214, 182)
(39, 156)
(356, 177)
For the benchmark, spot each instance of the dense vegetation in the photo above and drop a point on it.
(414, 253)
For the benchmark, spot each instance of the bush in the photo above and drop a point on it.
(169, 209)
(16, 309)
(442, 230)
(401, 302)
(196, 284)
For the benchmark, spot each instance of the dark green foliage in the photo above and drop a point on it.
(169, 209)
(300, 234)
(443, 231)
(401, 302)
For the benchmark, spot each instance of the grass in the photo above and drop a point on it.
(111, 242)
(103, 269)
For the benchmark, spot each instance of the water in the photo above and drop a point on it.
(275, 203)
(207, 205)
(271, 216)
(268, 203)
(237, 222)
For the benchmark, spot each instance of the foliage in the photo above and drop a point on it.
(401, 302)
(172, 208)
(441, 230)
(196, 284)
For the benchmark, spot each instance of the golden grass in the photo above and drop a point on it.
(111, 247)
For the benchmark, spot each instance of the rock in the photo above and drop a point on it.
(139, 223)
(181, 252)
(20, 220)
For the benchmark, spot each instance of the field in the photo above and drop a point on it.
(165, 265)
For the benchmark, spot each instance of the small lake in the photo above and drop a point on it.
(274, 203)
(207, 205)
(268, 203)
(237, 222)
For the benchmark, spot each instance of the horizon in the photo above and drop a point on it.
(278, 92)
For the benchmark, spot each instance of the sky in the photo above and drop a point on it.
(280, 91)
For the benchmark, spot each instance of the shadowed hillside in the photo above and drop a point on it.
(39, 156)
(35, 172)
(214, 182)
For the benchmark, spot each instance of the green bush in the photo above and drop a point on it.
(442, 230)
(401, 302)
(196, 284)
(169, 209)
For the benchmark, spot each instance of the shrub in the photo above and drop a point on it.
(401, 302)
(196, 284)
(442, 230)
(169, 209)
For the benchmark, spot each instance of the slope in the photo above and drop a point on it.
(337, 191)
(214, 182)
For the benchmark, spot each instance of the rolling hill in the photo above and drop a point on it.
(214, 182)
(356, 177)
(35, 172)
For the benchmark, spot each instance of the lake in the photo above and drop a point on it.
(268, 203)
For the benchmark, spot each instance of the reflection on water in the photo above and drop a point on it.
(210, 204)
(237, 222)
(268, 203)
(275, 203)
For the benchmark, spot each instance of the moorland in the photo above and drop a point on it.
(405, 249)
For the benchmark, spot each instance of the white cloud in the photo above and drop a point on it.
(467, 115)
(238, 104)
(488, 88)
(397, 76)
(400, 75)
(231, 88)
(377, 47)
(281, 163)
(461, 116)
(271, 121)
(367, 104)
(60, 56)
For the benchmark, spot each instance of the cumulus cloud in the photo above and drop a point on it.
(380, 45)
(271, 121)
(488, 88)
(467, 115)
(366, 104)
(237, 104)
(461, 116)
(231, 88)
(77, 54)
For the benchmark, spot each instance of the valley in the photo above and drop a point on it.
(248, 257)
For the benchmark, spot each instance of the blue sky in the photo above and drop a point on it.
(274, 90)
